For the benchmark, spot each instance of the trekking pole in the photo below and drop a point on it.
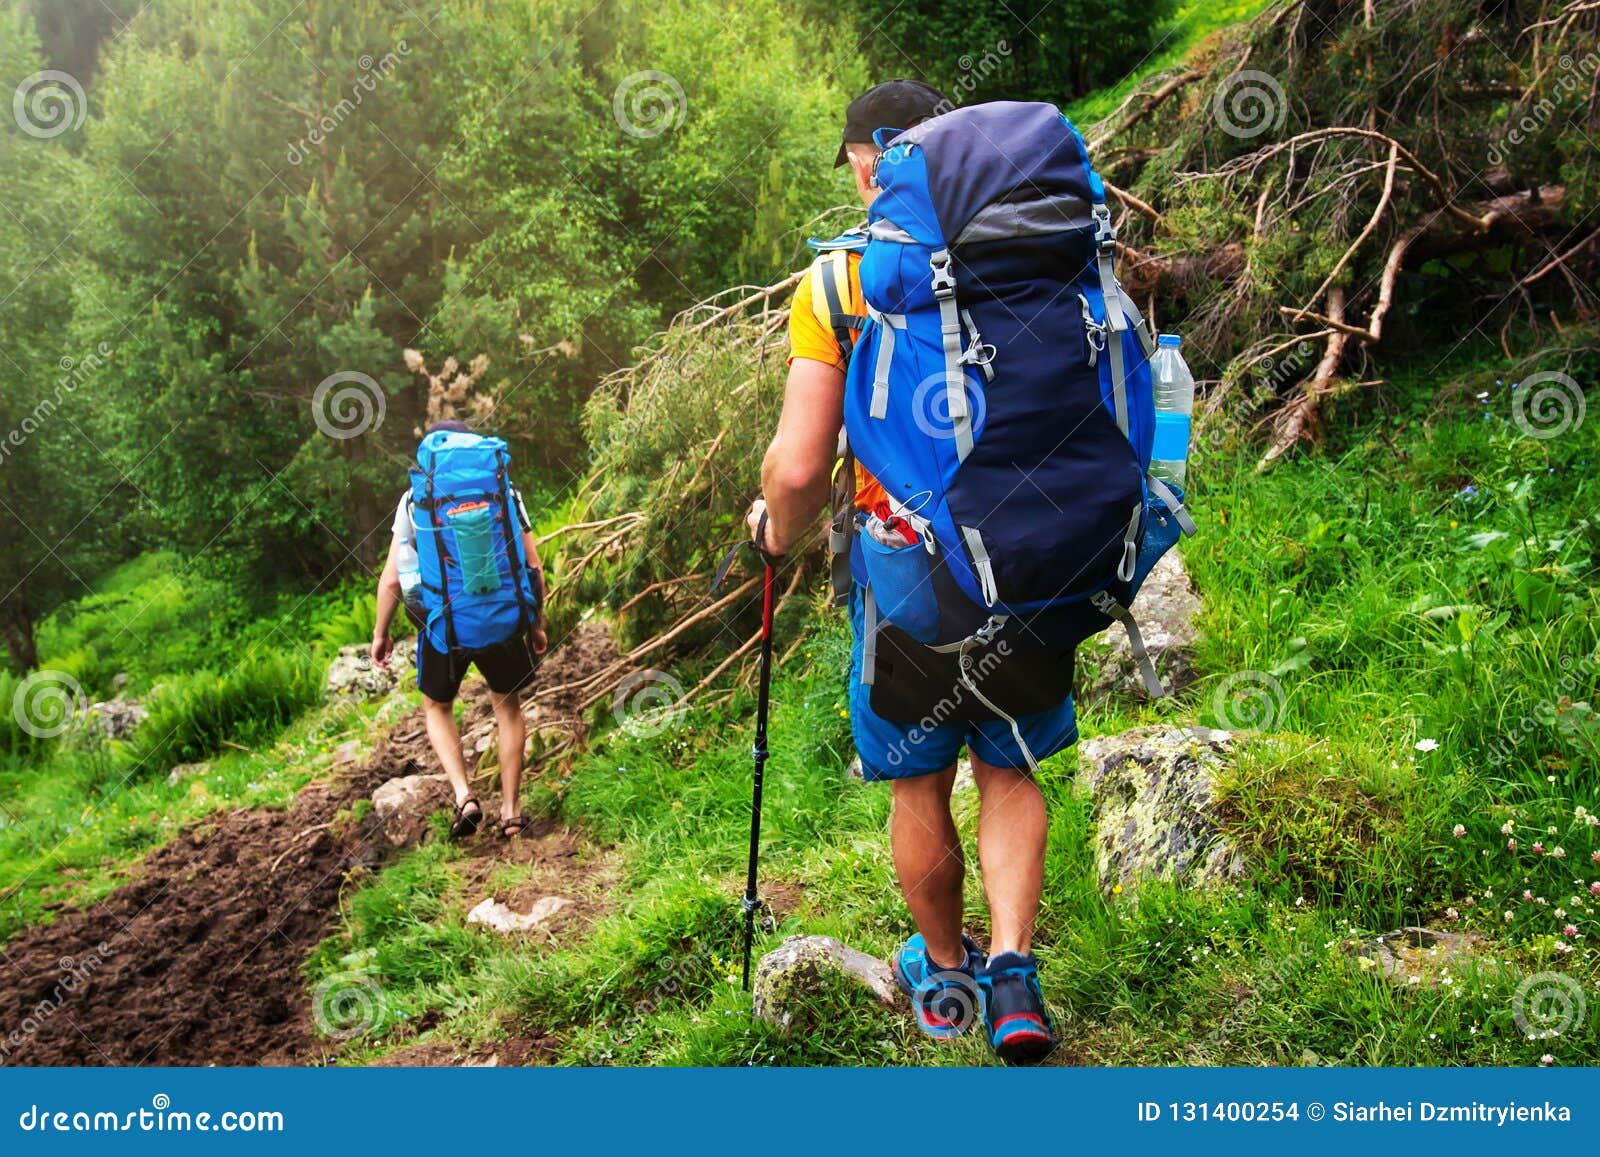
(752, 902)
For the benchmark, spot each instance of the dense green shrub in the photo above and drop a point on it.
(195, 715)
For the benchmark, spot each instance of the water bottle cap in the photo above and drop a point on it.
(1170, 341)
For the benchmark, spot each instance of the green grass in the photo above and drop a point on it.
(1375, 601)
(1193, 23)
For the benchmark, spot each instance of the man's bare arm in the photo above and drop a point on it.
(797, 466)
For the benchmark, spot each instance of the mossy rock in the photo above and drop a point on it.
(808, 981)
(1155, 806)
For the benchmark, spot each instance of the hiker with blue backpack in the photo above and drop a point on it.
(969, 361)
(462, 561)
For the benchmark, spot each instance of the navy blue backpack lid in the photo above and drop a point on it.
(1001, 393)
(476, 586)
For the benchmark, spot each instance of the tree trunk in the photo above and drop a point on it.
(16, 624)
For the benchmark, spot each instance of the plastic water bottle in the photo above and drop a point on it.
(1174, 390)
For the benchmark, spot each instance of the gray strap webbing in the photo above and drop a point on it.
(1130, 545)
(978, 354)
(955, 376)
(869, 641)
(888, 323)
(840, 529)
(1139, 327)
(1164, 492)
(983, 634)
(1147, 669)
(982, 562)
(1016, 731)
(1116, 319)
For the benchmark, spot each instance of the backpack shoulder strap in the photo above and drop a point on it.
(830, 297)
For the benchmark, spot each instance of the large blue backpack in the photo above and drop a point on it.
(476, 587)
(1001, 393)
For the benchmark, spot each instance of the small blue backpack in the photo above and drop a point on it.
(476, 587)
(1001, 393)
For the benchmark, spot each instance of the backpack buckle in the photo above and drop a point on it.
(1105, 234)
(943, 282)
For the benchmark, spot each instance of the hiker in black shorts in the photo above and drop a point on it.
(463, 563)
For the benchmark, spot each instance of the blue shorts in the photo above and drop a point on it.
(904, 751)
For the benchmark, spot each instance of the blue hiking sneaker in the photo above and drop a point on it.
(945, 1000)
(1020, 1029)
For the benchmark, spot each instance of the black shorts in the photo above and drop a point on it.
(506, 667)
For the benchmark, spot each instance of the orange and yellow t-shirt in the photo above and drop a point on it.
(810, 338)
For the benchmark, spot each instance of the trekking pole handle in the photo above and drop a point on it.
(760, 536)
(771, 561)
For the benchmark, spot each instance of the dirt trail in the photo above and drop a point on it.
(198, 960)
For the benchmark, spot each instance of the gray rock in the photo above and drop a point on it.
(185, 771)
(353, 675)
(401, 807)
(116, 718)
(1165, 609)
(1154, 791)
(797, 969)
(506, 920)
(1416, 955)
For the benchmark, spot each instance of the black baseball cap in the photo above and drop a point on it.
(894, 104)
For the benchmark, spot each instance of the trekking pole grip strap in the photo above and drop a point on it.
(754, 543)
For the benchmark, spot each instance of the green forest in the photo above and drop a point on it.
(250, 251)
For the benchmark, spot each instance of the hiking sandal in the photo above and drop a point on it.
(465, 824)
(512, 828)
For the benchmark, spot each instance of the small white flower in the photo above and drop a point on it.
(1559, 852)
(1507, 828)
(1459, 830)
(1427, 745)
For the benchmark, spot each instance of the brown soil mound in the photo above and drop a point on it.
(198, 960)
